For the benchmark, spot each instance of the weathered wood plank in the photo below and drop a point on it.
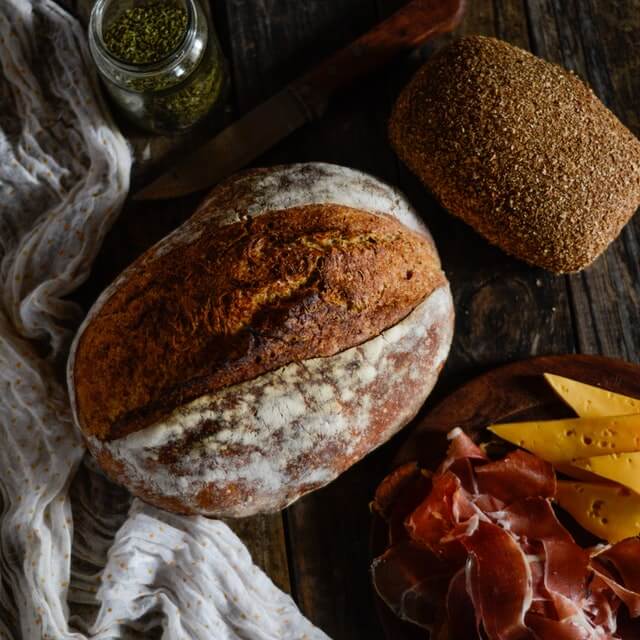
(601, 44)
(265, 539)
(276, 40)
(510, 21)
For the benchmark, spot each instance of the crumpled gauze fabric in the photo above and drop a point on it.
(78, 558)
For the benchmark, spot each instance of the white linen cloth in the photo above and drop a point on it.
(64, 173)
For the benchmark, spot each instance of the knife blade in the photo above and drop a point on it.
(305, 99)
(233, 148)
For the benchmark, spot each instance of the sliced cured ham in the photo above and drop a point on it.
(461, 446)
(398, 495)
(412, 583)
(517, 476)
(393, 488)
(624, 557)
(566, 569)
(480, 540)
(565, 579)
(618, 566)
(462, 621)
(547, 629)
(501, 582)
(603, 605)
(433, 521)
(628, 596)
(532, 519)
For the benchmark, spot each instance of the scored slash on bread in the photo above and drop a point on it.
(294, 323)
(251, 297)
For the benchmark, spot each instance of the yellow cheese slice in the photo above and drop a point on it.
(608, 511)
(592, 402)
(619, 467)
(564, 441)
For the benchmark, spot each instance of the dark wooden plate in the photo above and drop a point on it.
(514, 392)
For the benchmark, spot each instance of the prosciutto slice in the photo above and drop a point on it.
(517, 476)
(434, 523)
(532, 519)
(462, 621)
(479, 540)
(412, 583)
(500, 579)
(628, 596)
(398, 495)
(393, 490)
(547, 629)
(624, 557)
(565, 579)
(461, 447)
(618, 566)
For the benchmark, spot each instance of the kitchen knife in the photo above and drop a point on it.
(305, 99)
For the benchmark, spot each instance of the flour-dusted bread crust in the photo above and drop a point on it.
(294, 323)
(520, 149)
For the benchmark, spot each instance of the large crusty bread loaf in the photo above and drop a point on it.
(521, 150)
(294, 323)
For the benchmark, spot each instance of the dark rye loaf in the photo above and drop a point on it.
(212, 376)
(520, 149)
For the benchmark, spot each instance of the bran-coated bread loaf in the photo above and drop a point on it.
(520, 149)
(295, 322)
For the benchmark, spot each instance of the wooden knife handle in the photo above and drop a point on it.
(411, 25)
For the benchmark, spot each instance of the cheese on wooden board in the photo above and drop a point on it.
(623, 468)
(592, 402)
(608, 511)
(562, 441)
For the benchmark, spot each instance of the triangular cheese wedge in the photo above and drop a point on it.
(592, 402)
(608, 511)
(563, 441)
(619, 467)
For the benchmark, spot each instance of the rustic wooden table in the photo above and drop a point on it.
(318, 549)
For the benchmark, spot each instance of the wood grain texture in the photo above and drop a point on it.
(601, 44)
(513, 392)
(506, 310)
(405, 29)
(266, 541)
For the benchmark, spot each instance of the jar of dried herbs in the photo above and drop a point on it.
(160, 60)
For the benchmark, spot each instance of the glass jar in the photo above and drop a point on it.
(173, 93)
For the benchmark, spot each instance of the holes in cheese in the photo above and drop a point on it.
(564, 441)
(592, 402)
(620, 467)
(608, 511)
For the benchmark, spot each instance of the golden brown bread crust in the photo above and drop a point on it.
(258, 445)
(520, 149)
(223, 497)
(241, 300)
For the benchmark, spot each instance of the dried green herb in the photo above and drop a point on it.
(179, 109)
(146, 34)
(161, 99)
